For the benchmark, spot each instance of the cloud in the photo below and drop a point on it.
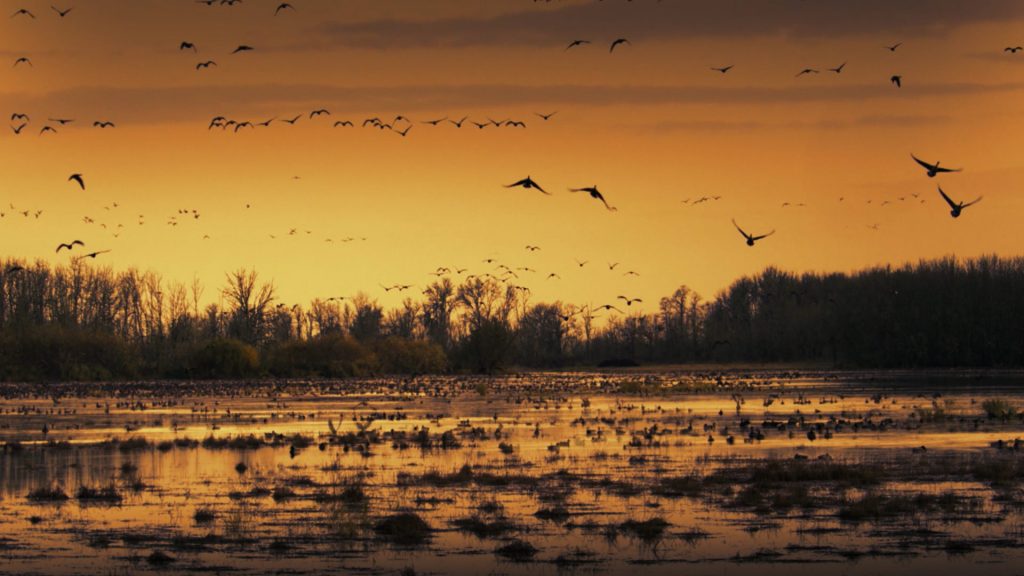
(672, 20)
(257, 102)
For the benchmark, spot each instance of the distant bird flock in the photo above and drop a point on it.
(402, 126)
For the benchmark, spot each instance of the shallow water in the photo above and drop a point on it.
(298, 498)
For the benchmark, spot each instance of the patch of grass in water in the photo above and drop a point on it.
(404, 529)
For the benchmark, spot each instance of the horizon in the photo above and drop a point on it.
(652, 125)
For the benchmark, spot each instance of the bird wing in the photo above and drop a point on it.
(948, 199)
(763, 236)
(923, 163)
(522, 182)
(745, 235)
(973, 202)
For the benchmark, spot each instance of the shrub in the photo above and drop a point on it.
(224, 358)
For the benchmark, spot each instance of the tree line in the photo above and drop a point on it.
(81, 322)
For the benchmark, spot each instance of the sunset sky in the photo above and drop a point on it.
(650, 124)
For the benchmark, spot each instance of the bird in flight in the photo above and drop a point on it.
(576, 43)
(103, 124)
(618, 42)
(897, 80)
(751, 239)
(23, 12)
(46, 129)
(206, 64)
(528, 183)
(894, 46)
(62, 13)
(320, 112)
(608, 307)
(546, 117)
(70, 245)
(77, 178)
(18, 129)
(1013, 49)
(92, 255)
(957, 207)
(19, 116)
(188, 46)
(839, 69)
(343, 123)
(242, 48)
(723, 70)
(630, 301)
(807, 71)
(23, 60)
(532, 248)
(283, 6)
(596, 195)
(459, 123)
(582, 263)
(934, 169)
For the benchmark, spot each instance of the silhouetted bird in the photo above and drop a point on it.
(957, 207)
(807, 71)
(93, 255)
(724, 69)
(103, 124)
(934, 169)
(187, 46)
(618, 42)
(206, 64)
(1013, 49)
(283, 6)
(77, 178)
(751, 239)
(897, 80)
(23, 12)
(62, 13)
(576, 43)
(595, 194)
(69, 246)
(630, 301)
(23, 60)
(839, 69)
(546, 117)
(529, 184)
(242, 48)
(894, 46)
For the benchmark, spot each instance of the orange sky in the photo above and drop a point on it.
(651, 125)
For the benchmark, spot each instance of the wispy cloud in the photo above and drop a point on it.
(672, 20)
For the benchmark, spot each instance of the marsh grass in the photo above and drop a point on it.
(403, 529)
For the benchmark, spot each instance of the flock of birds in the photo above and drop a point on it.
(402, 125)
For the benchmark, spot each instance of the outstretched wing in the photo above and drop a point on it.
(972, 203)
(949, 200)
(763, 236)
(923, 163)
(745, 235)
